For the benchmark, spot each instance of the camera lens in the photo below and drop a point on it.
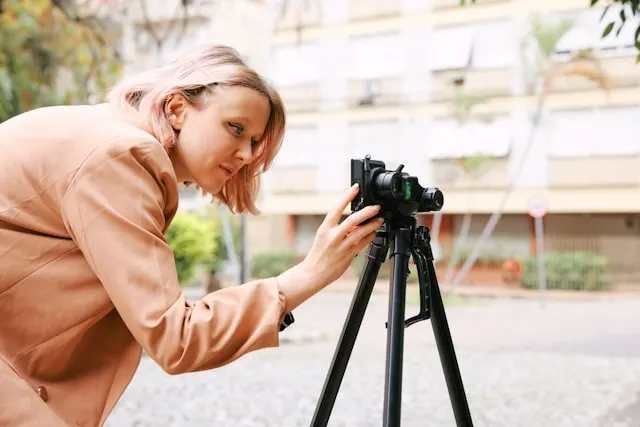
(389, 184)
(432, 200)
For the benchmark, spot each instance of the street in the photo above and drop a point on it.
(569, 363)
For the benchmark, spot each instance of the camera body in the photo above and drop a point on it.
(395, 191)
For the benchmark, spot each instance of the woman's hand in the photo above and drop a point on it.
(333, 250)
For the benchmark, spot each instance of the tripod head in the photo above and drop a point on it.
(397, 193)
(400, 197)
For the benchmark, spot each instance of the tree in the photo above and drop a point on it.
(194, 240)
(462, 110)
(538, 48)
(50, 54)
(629, 8)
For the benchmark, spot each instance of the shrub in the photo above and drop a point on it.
(567, 270)
(272, 263)
(193, 240)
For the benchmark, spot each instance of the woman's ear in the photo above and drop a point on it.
(176, 110)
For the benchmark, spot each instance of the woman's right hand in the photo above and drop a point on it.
(333, 250)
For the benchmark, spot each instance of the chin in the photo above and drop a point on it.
(212, 188)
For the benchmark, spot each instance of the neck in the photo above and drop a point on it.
(181, 172)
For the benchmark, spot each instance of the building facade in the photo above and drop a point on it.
(397, 78)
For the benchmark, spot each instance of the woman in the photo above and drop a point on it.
(86, 277)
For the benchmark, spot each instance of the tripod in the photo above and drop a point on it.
(407, 240)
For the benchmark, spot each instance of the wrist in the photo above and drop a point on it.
(298, 284)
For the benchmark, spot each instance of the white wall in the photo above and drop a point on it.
(415, 73)
(334, 12)
(528, 158)
(332, 157)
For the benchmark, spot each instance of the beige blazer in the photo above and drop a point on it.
(86, 277)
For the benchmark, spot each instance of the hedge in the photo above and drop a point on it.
(567, 270)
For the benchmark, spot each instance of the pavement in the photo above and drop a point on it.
(524, 363)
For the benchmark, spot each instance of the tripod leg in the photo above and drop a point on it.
(447, 352)
(375, 257)
(395, 332)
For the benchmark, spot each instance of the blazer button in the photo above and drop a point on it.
(42, 392)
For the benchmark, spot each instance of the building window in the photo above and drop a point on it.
(373, 57)
(482, 46)
(380, 139)
(587, 30)
(450, 140)
(293, 65)
(300, 148)
(594, 133)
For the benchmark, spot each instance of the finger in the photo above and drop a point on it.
(357, 218)
(333, 217)
(362, 233)
(360, 245)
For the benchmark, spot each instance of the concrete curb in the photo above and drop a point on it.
(499, 292)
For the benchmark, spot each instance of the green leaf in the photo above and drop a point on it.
(604, 12)
(608, 29)
(593, 2)
(637, 36)
(623, 16)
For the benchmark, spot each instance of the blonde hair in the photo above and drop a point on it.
(192, 75)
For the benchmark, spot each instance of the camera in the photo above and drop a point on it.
(395, 191)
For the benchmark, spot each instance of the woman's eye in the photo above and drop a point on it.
(253, 141)
(237, 128)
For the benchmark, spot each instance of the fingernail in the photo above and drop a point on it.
(354, 186)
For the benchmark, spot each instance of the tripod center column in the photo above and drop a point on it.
(402, 238)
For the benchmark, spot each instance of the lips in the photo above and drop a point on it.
(227, 170)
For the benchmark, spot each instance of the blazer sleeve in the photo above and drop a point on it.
(114, 209)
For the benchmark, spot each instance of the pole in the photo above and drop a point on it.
(540, 256)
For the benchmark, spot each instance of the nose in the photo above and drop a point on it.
(245, 153)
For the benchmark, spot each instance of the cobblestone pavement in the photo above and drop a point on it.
(573, 364)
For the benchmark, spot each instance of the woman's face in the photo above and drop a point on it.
(217, 140)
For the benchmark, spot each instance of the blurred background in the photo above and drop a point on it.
(525, 113)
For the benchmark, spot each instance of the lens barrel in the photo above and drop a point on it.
(432, 200)
(388, 184)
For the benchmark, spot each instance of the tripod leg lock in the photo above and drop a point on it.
(420, 261)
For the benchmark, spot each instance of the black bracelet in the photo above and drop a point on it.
(287, 321)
